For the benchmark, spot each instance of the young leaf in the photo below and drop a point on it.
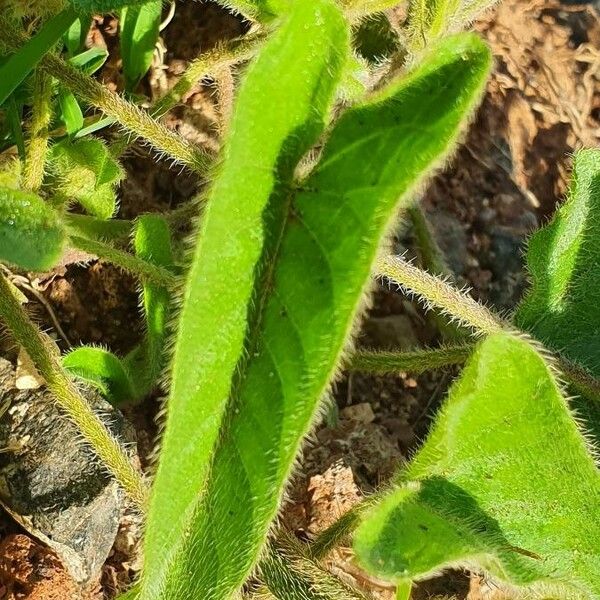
(504, 483)
(84, 170)
(90, 60)
(139, 34)
(315, 269)
(562, 309)
(22, 62)
(70, 112)
(430, 20)
(280, 112)
(103, 370)
(31, 234)
(152, 241)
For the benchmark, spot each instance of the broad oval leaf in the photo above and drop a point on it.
(103, 370)
(31, 234)
(84, 170)
(280, 111)
(504, 483)
(562, 309)
(315, 268)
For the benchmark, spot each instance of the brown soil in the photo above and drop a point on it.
(542, 103)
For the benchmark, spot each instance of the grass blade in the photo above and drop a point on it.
(139, 34)
(23, 61)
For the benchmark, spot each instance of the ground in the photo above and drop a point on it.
(542, 103)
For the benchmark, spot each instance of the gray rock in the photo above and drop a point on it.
(394, 332)
(53, 484)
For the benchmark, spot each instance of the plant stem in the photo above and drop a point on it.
(435, 292)
(207, 64)
(403, 590)
(134, 119)
(136, 266)
(47, 361)
(416, 362)
(431, 254)
(41, 115)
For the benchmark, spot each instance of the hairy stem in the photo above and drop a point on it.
(47, 361)
(209, 63)
(41, 115)
(136, 266)
(431, 254)
(459, 306)
(436, 292)
(416, 362)
(135, 120)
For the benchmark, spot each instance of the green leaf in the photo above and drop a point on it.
(103, 6)
(22, 62)
(152, 241)
(70, 112)
(291, 575)
(430, 20)
(316, 266)
(85, 171)
(103, 370)
(14, 115)
(562, 309)
(31, 234)
(279, 113)
(504, 483)
(89, 61)
(139, 34)
(74, 38)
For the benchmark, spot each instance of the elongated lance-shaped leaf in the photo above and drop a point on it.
(152, 241)
(562, 308)
(322, 244)
(31, 234)
(139, 33)
(505, 483)
(280, 112)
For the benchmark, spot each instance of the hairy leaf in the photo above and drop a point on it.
(22, 62)
(291, 575)
(31, 234)
(317, 264)
(103, 6)
(103, 370)
(84, 170)
(280, 111)
(563, 306)
(152, 241)
(139, 34)
(504, 482)
(430, 20)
